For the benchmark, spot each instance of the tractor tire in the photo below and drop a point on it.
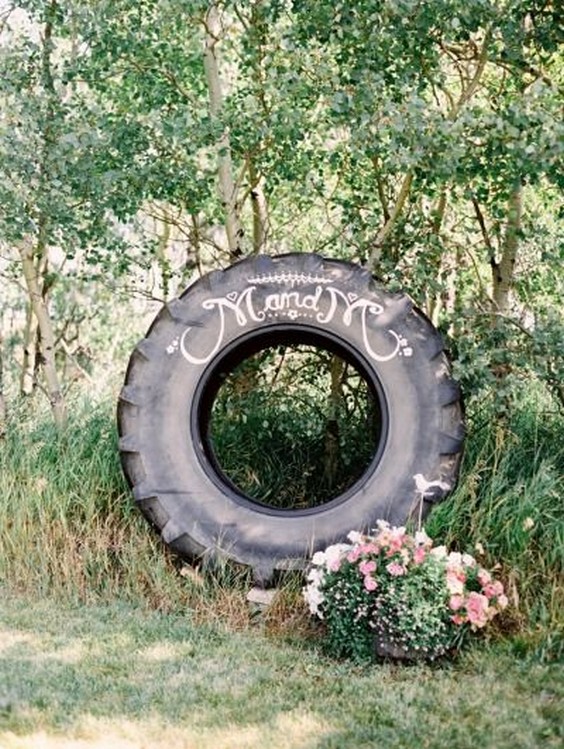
(221, 320)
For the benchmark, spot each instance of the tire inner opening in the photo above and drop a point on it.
(291, 425)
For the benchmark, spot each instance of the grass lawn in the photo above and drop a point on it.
(117, 676)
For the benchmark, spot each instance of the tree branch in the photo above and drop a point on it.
(484, 230)
(470, 90)
(386, 230)
(380, 188)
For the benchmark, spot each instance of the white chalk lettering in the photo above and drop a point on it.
(320, 305)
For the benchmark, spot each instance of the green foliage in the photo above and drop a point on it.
(50, 142)
(347, 634)
(288, 437)
(107, 145)
(415, 613)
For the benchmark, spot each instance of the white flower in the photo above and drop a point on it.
(397, 531)
(382, 525)
(528, 524)
(440, 552)
(468, 560)
(421, 538)
(455, 559)
(314, 598)
(331, 554)
(318, 559)
(315, 576)
(335, 552)
(355, 537)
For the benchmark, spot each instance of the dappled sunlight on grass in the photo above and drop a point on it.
(11, 638)
(39, 648)
(80, 677)
(161, 651)
(101, 677)
(293, 729)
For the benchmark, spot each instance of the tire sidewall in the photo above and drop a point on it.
(227, 311)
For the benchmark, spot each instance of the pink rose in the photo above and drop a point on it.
(353, 555)
(502, 601)
(493, 589)
(458, 619)
(419, 554)
(395, 569)
(384, 537)
(484, 577)
(367, 567)
(335, 565)
(455, 580)
(477, 609)
(395, 545)
(456, 602)
(370, 583)
(454, 560)
(397, 539)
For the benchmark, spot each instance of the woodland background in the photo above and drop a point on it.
(144, 143)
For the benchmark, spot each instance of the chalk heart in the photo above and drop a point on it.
(232, 296)
(352, 297)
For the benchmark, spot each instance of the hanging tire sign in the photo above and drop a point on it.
(383, 441)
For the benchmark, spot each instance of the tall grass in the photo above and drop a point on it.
(509, 503)
(67, 523)
(68, 526)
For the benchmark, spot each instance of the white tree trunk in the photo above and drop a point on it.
(503, 272)
(260, 210)
(227, 186)
(27, 375)
(3, 409)
(46, 332)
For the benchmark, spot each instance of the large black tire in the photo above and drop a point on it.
(221, 320)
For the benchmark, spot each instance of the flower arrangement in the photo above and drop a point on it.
(393, 593)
